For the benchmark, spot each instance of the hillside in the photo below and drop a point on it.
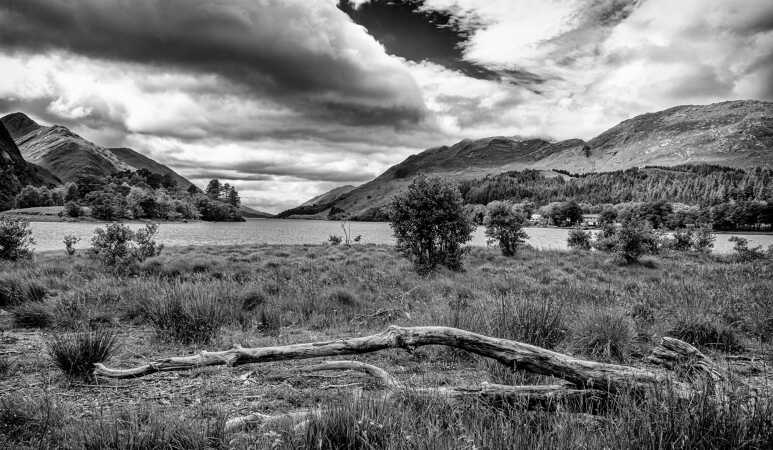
(251, 213)
(15, 172)
(734, 134)
(139, 161)
(59, 150)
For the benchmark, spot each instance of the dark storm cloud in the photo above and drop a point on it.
(410, 30)
(309, 56)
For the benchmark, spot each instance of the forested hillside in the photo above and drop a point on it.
(701, 185)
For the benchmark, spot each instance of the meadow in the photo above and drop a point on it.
(190, 299)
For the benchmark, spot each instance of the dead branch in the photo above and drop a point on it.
(581, 373)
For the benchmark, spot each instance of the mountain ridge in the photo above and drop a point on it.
(735, 134)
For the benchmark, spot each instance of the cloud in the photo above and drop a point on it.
(307, 54)
(289, 98)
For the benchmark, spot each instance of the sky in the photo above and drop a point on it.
(286, 99)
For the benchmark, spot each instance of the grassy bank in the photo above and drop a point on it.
(195, 298)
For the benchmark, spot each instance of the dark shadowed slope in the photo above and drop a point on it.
(734, 134)
(15, 173)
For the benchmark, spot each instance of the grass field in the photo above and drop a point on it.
(195, 298)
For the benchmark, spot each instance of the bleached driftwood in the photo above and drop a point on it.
(581, 373)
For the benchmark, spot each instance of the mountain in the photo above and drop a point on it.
(59, 150)
(330, 196)
(139, 161)
(68, 155)
(734, 134)
(15, 172)
(251, 213)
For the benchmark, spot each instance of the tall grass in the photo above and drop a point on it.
(76, 353)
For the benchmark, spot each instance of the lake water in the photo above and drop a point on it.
(48, 235)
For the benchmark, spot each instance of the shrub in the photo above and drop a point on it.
(742, 251)
(118, 246)
(334, 240)
(701, 330)
(579, 239)
(430, 224)
(76, 353)
(33, 315)
(682, 240)
(146, 244)
(628, 242)
(72, 209)
(504, 224)
(15, 239)
(603, 334)
(703, 240)
(69, 244)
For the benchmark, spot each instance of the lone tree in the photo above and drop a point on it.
(430, 224)
(504, 224)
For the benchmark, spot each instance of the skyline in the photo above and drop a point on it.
(288, 99)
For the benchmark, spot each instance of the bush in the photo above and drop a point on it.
(579, 239)
(69, 244)
(334, 240)
(703, 240)
(604, 334)
(33, 315)
(72, 209)
(682, 240)
(701, 330)
(15, 239)
(504, 224)
(742, 251)
(628, 242)
(118, 246)
(76, 353)
(430, 224)
(146, 245)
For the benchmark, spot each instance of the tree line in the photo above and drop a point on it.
(667, 197)
(138, 194)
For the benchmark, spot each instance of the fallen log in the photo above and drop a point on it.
(581, 373)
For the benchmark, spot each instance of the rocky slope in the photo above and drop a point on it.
(735, 134)
(15, 172)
